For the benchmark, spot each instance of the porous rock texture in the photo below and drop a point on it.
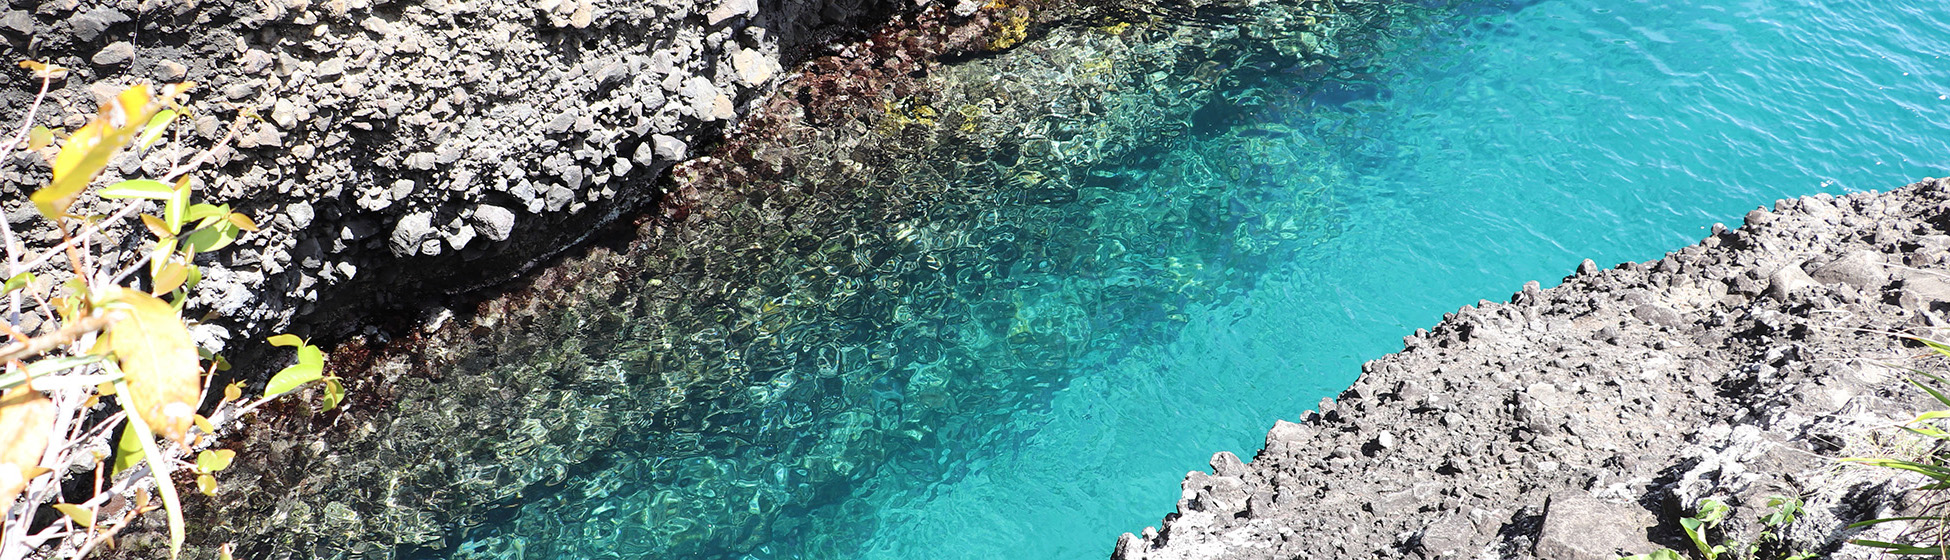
(1582, 421)
(400, 149)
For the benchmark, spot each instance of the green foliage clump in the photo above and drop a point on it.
(1708, 515)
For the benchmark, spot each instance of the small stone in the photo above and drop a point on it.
(410, 233)
(728, 9)
(90, 24)
(722, 109)
(612, 74)
(115, 54)
(18, 21)
(460, 237)
(299, 213)
(171, 71)
(668, 148)
(1386, 440)
(558, 196)
(753, 68)
(494, 222)
(1787, 280)
(1659, 315)
(1587, 267)
(561, 123)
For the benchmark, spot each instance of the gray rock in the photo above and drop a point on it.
(1658, 315)
(1452, 537)
(1787, 280)
(1861, 269)
(558, 196)
(18, 21)
(753, 68)
(728, 9)
(494, 222)
(410, 233)
(1580, 527)
(115, 54)
(299, 214)
(669, 148)
(90, 24)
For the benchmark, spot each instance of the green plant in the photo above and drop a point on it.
(113, 333)
(1708, 515)
(1929, 535)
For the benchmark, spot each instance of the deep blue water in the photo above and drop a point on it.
(1048, 376)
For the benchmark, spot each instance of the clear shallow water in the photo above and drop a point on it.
(1026, 368)
(1490, 150)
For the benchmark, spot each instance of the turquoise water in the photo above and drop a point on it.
(1493, 149)
(1025, 367)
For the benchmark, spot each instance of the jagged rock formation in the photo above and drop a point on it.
(410, 149)
(1581, 421)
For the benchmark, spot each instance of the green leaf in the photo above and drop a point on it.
(206, 484)
(1784, 511)
(160, 471)
(334, 393)
(80, 515)
(1903, 549)
(154, 130)
(1940, 474)
(207, 213)
(215, 460)
(1661, 554)
(1712, 511)
(286, 340)
(1933, 392)
(212, 238)
(19, 281)
(178, 203)
(149, 189)
(128, 449)
(310, 367)
(1861, 524)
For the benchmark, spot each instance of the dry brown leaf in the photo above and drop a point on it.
(159, 362)
(26, 416)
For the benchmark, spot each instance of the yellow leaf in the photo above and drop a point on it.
(26, 417)
(206, 484)
(44, 70)
(90, 147)
(169, 278)
(233, 392)
(243, 222)
(80, 515)
(39, 137)
(204, 423)
(156, 226)
(159, 363)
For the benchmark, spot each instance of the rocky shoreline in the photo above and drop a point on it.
(1581, 422)
(401, 152)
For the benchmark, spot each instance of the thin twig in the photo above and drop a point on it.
(41, 344)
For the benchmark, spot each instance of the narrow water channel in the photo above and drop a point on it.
(1107, 254)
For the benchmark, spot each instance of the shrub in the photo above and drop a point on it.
(113, 349)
